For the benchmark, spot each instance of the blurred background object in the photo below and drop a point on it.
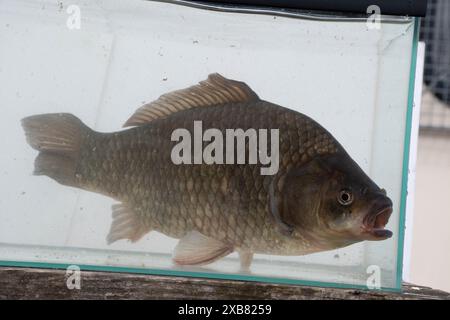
(430, 255)
(435, 32)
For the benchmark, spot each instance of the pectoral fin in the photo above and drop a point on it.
(197, 249)
(126, 225)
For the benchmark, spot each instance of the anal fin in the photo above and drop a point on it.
(126, 225)
(197, 249)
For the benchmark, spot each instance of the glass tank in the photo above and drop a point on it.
(121, 123)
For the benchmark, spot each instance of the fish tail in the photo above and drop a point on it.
(58, 137)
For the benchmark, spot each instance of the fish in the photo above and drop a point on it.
(319, 199)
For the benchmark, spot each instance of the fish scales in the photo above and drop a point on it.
(145, 176)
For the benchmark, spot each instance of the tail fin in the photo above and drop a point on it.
(58, 137)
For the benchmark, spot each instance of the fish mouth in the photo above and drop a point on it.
(374, 225)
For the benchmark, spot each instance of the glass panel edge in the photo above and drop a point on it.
(191, 274)
(406, 151)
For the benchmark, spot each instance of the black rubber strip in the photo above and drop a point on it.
(415, 8)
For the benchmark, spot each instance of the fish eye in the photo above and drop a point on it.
(345, 197)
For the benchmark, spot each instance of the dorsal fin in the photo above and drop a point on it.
(215, 90)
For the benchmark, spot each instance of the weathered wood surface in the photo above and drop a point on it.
(27, 283)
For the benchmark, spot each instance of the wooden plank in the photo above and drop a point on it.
(28, 283)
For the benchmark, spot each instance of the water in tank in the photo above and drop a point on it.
(165, 138)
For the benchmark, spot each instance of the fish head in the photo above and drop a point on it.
(334, 202)
(353, 209)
